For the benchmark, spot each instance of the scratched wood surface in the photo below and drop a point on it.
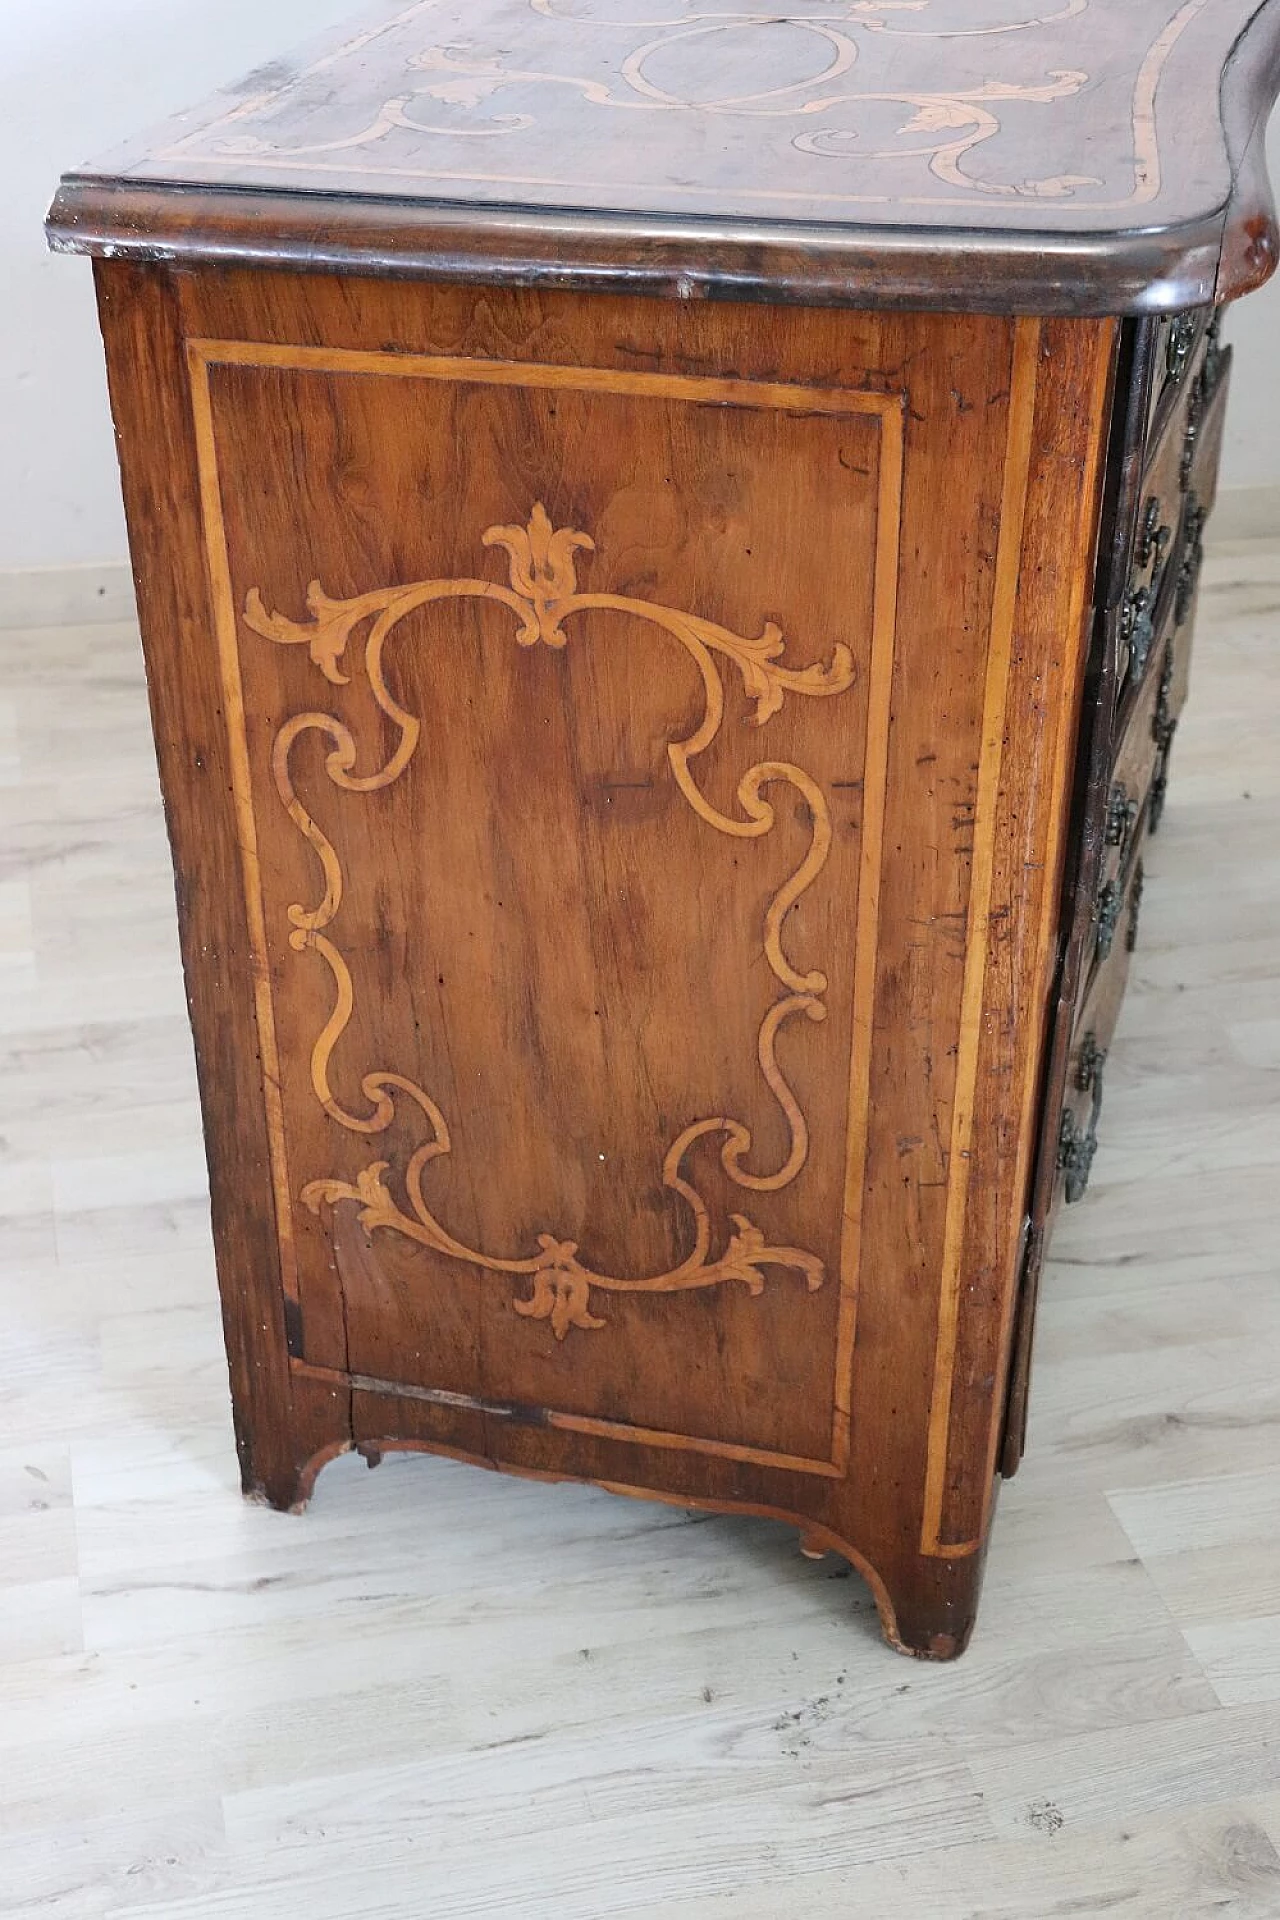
(1087, 152)
(447, 1691)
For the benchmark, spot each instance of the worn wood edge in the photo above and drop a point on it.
(960, 269)
(1019, 449)
(275, 1414)
(813, 1534)
(1055, 924)
(1135, 372)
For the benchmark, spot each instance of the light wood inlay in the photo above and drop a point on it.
(999, 652)
(543, 594)
(845, 107)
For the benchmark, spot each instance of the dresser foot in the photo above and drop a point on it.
(281, 1455)
(926, 1605)
(929, 1612)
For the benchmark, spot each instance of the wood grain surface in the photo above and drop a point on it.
(646, 874)
(1087, 154)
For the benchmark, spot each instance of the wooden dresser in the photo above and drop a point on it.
(667, 548)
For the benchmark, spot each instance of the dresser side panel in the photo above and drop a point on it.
(282, 1421)
(978, 577)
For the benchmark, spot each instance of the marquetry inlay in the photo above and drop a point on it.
(543, 594)
(851, 105)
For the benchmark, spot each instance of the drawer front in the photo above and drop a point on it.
(1202, 460)
(1180, 467)
(1176, 353)
(1171, 698)
(1153, 569)
(1091, 1043)
(1132, 773)
(1205, 424)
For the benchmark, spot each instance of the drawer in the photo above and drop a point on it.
(1206, 421)
(1202, 460)
(1153, 568)
(1187, 596)
(1179, 339)
(1171, 698)
(1087, 1061)
(1131, 776)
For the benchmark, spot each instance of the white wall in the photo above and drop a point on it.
(78, 75)
(1251, 457)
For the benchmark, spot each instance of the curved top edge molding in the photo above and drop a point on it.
(1250, 86)
(1047, 156)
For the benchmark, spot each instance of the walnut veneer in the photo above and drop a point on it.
(657, 785)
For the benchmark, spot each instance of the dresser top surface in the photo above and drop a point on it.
(831, 136)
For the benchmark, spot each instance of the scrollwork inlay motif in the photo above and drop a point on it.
(895, 100)
(542, 594)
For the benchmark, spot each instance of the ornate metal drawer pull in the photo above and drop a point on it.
(1076, 1145)
(1076, 1151)
(1136, 891)
(1192, 561)
(1122, 816)
(1215, 358)
(1156, 804)
(1093, 1059)
(1164, 723)
(1138, 628)
(1177, 352)
(1110, 901)
(1153, 536)
(1196, 408)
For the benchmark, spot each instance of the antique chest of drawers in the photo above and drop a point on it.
(666, 545)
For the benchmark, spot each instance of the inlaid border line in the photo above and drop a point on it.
(888, 408)
(519, 1415)
(1017, 470)
(226, 627)
(867, 929)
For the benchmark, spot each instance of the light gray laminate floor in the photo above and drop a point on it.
(442, 1693)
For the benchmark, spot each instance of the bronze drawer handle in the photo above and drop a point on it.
(1159, 795)
(1093, 1059)
(1122, 817)
(1138, 628)
(1164, 723)
(1078, 1146)
(1191, 440)
(1192, 561)
(1177, 352)
(1110, 903)
(1153, 537)
(1136, 891)
(1216, 357)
